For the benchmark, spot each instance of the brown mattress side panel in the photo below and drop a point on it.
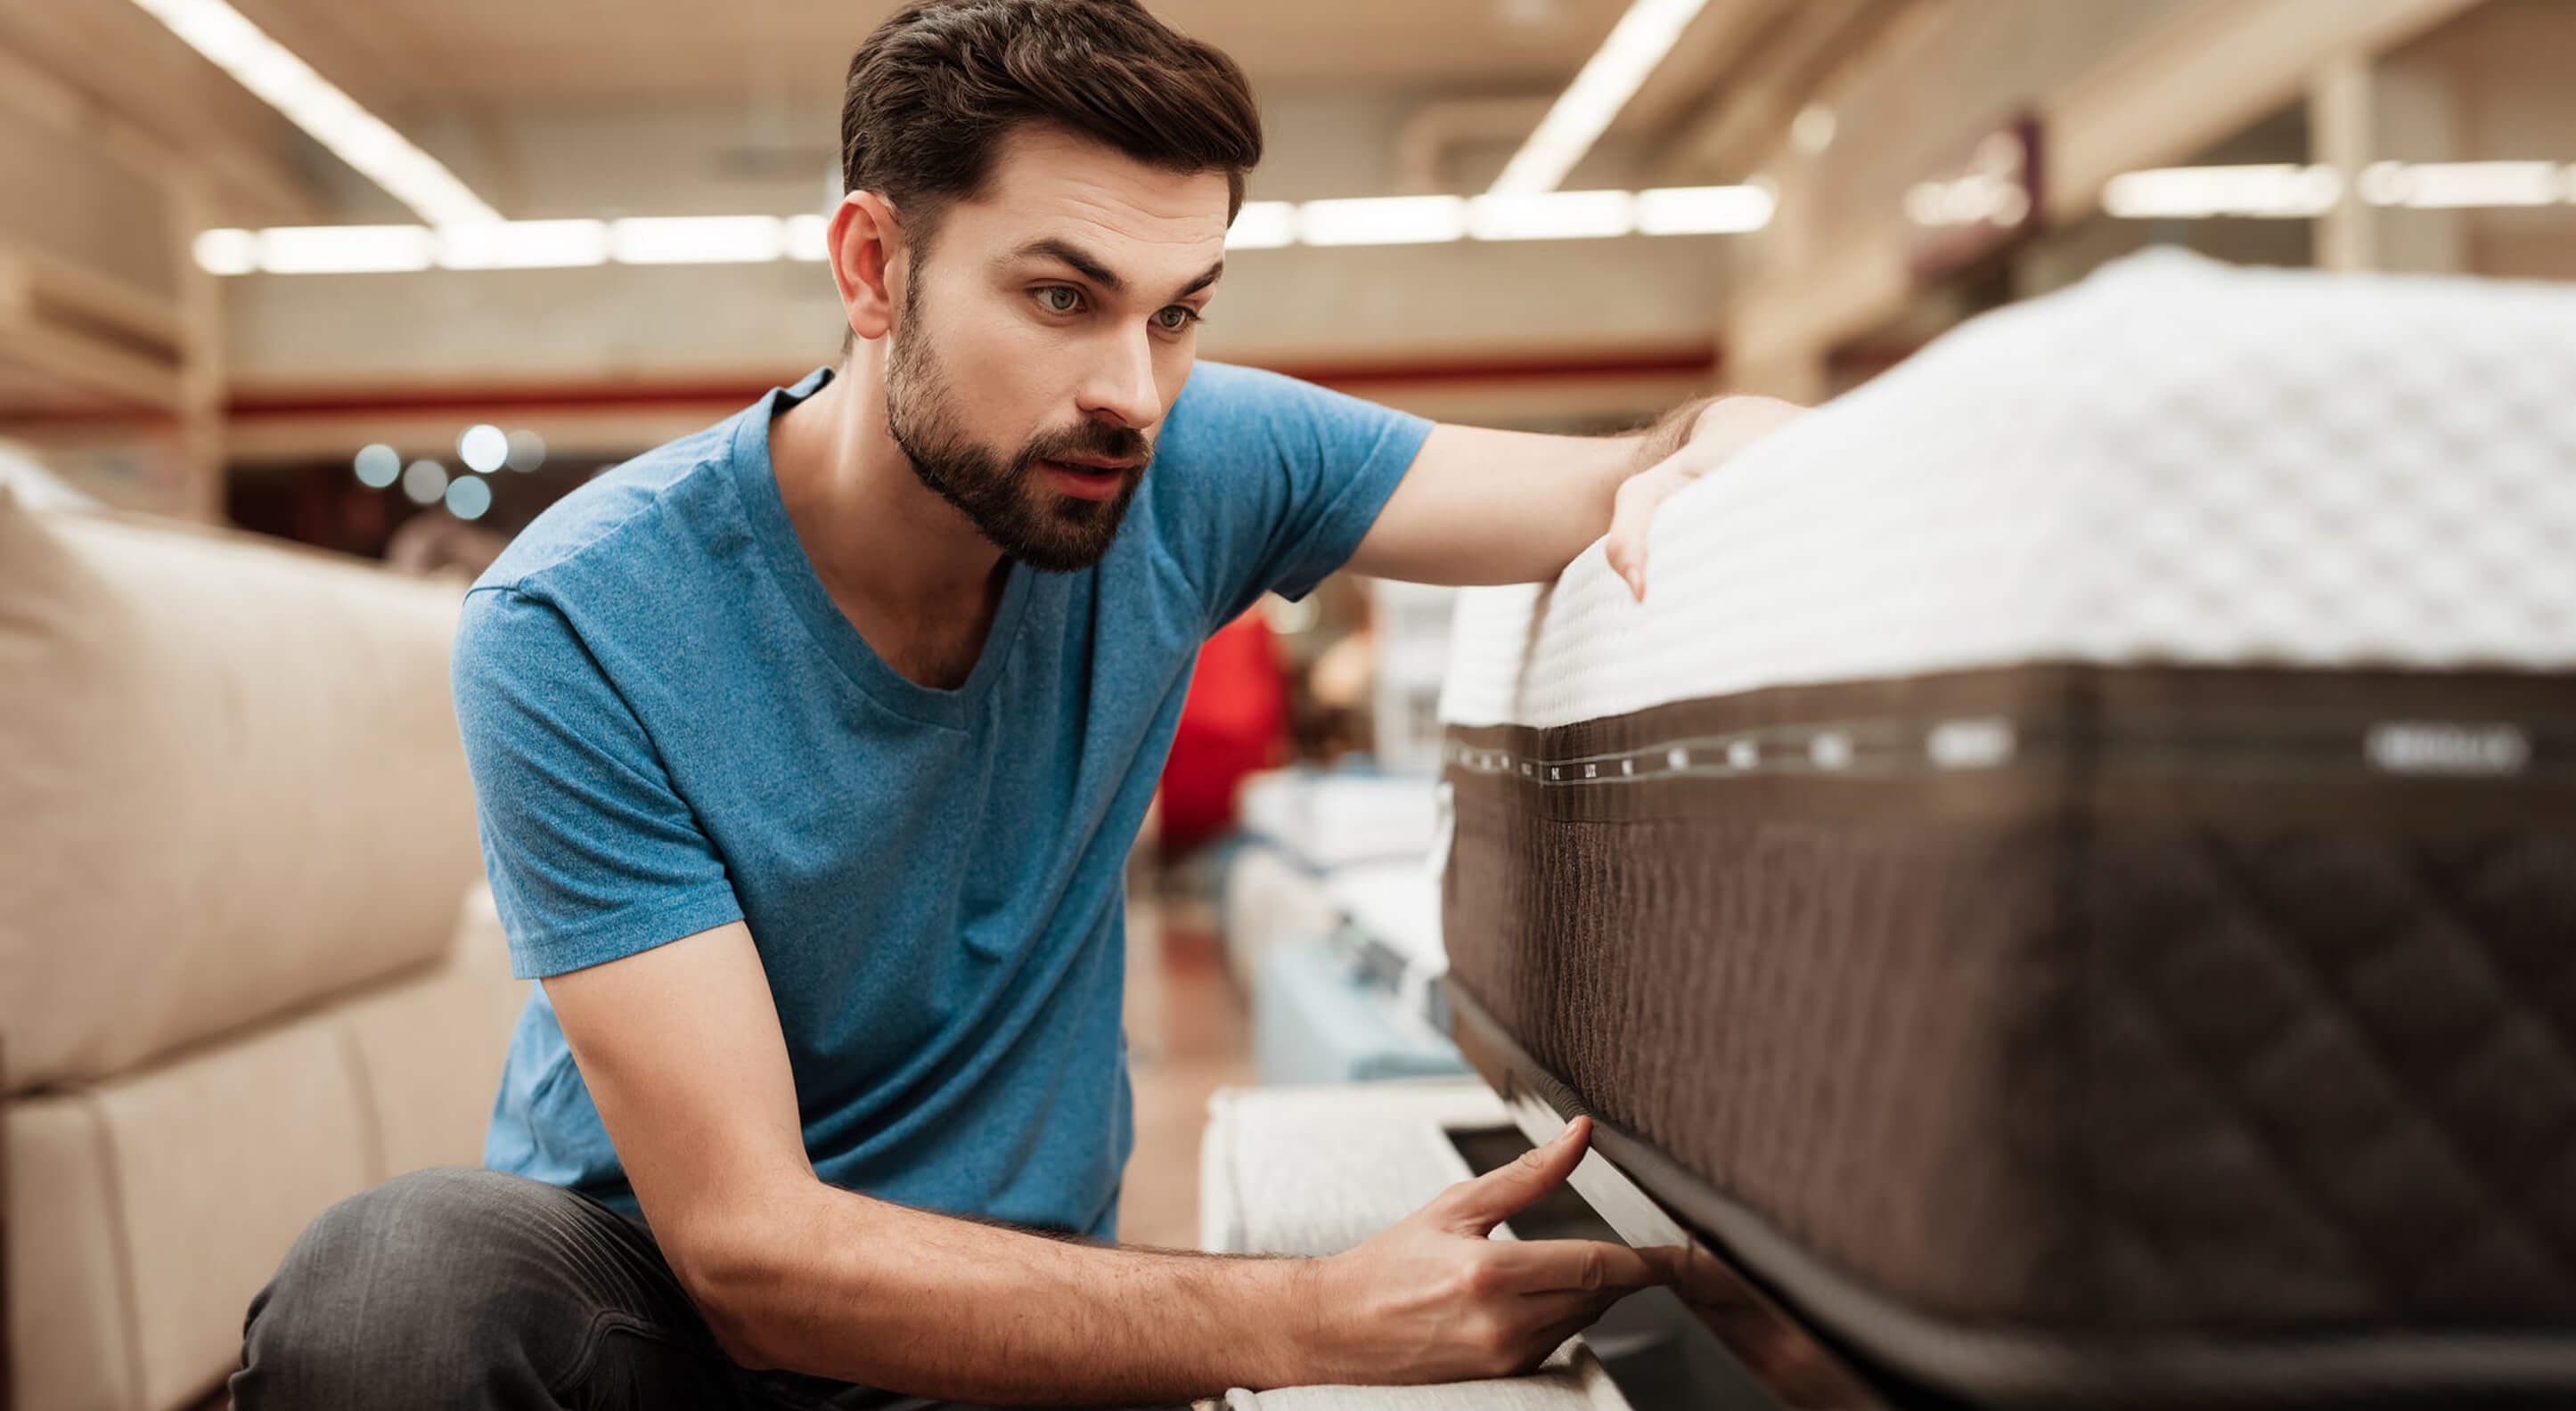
(1855, 1028)
(2334, 1076)
(2193, 1011)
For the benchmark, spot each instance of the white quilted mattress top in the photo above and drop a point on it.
(2174, 462)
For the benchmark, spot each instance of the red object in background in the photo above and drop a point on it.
(1234, 722)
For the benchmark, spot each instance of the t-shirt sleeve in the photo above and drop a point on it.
(1282, 480)
(592, 852)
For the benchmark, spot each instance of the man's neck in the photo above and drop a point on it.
(905, 566)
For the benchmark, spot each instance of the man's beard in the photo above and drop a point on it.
(1043, 529)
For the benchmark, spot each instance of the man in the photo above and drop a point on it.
(808, 749)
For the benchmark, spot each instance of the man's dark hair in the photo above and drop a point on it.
(934, 90)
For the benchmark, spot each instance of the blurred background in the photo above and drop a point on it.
(388, 279)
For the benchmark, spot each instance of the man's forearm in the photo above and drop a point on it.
(1486, 506)
(835, 1284)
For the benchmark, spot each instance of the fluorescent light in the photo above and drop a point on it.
(2450, 186)
(227, 251)
(808, 237)
(329, 116)
(697, 240)
(1263, 225)
(1703, 210)
(345, 249)
(1583, 111)
(1374, 220)
(523, 244)
(2264, 191)
(1382, 220)
(1552, 215)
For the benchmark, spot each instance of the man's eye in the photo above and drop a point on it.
(1176, 318)
(1058, 299)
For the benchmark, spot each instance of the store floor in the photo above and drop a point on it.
(1188, 1034)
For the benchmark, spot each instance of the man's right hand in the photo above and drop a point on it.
(1435, 1299)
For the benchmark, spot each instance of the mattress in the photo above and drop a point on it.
(2069, 878)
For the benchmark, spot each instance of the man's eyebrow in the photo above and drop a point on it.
(1206, 277)
(1083, 263)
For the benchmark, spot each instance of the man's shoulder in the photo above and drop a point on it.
(612, 520)
(1219, 393)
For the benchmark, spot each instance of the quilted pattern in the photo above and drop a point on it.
(2173, 462)
(2130, 1077)
(2337, 1075)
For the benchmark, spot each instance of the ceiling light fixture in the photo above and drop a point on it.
(1262, 225)
(2263, 191)
(310, 101)
(1382, 220)
(697, 240)
(1641, 39)
(524, 244)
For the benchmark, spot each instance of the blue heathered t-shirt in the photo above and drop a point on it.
(671, 727)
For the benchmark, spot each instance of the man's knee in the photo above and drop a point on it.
(425, 1280)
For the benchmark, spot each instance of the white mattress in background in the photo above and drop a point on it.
(1397, 905)
(1326, 821)
(2174, 462)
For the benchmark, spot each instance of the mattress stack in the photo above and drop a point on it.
(2070, 877)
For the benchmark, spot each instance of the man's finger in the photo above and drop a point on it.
(1632, 519)
(1477, 1206)
(1556, 1266)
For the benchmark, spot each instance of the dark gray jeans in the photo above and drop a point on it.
(458, 1288)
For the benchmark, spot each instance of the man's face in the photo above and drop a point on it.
(1040, 344)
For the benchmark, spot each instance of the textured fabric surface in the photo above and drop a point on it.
(235, 772)
(2173, 461)
(2185, 1007)
(144, 1211)
(1317, 1170)
(1571, 1380)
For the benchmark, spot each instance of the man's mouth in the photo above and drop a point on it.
(1089, 478)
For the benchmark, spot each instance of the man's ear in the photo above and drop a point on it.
(865, 243)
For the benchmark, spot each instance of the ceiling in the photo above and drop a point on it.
(403, 57)
(464, 69)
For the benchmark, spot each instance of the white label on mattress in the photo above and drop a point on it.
(2439, 747)
(1970, 744)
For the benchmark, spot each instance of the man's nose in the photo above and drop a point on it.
(1122, 386)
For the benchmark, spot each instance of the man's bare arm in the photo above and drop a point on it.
(681, 1049)
(1485, 506)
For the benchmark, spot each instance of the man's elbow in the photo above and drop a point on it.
(732, 1264)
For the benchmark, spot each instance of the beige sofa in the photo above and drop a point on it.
(245, 965)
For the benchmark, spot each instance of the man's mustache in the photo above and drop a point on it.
(1093, 440)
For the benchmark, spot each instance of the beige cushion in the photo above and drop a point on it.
(70, 1324)
(146, 1211)
(230, 784)
(207, 1170)
(429, 1054)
